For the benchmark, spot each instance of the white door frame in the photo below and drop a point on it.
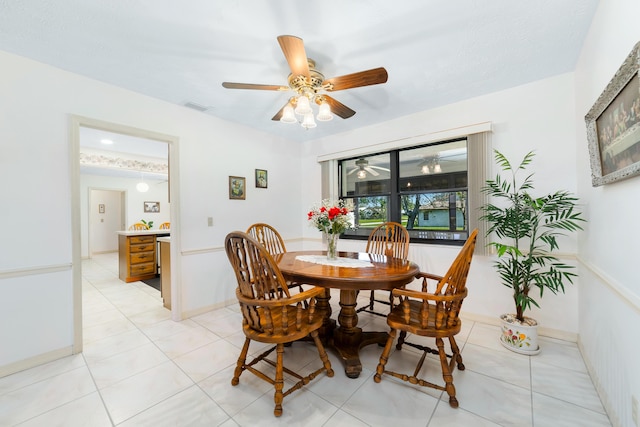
(174, 176)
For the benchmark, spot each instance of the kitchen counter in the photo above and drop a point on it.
(156, 232)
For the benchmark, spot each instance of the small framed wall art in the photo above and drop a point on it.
(237, 187)
(152, 207)
(261, 178)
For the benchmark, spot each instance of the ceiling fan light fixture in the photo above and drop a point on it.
(303, 106)
(437, 168)
(308, 122)
(425, 169)
(287, 115)
(362, 174)
(324, 112)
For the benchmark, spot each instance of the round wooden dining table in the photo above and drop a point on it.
(361, 271)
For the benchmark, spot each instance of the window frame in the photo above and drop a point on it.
(395, 193)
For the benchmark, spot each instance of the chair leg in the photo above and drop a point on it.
(371, 300)
(446, 374)
(456, 353)
(241, 361)
(323, 353)
(384, 357)
(403, 335)
(279, 383)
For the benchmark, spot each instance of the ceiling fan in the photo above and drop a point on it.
(431, 164)
(311, 87)
(362, 167)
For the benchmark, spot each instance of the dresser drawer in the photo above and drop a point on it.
(142, 257)
(140, 269)
(134, 240)
(145, 247)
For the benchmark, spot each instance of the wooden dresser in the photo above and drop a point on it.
(138, 254)
(137, 257)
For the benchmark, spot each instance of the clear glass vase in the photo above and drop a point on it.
(332, 245)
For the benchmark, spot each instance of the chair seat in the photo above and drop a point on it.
(396, 320)
(279, 335)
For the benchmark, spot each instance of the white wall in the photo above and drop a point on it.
(536, 116)
(36, 251)
(610, 289)
(105, 218)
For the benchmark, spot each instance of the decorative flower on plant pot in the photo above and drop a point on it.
(332, 218)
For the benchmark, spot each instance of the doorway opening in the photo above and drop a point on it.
(99, 207)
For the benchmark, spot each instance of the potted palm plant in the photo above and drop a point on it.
(527, 228)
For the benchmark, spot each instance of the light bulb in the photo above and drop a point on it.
(308, 122)
(302, 106)
(424, 169)
(324, 113)
(287, 115)
(362, 174)
(437, 168)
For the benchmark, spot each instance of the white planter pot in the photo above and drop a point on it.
(519, 337)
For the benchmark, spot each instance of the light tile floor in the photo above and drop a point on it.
(140, 368)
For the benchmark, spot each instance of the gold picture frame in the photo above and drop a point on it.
(237, 187)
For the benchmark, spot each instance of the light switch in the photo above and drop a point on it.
(210, 221)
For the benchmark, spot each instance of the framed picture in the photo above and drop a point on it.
(101, 208)
(152, 207)
(261, 178)
(613, 126)
(237, 187)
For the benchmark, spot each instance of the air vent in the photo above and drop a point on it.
(195, 106)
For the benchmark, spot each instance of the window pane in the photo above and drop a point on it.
(434, 167)
(365, 176)
(441, 216)
(369, 212)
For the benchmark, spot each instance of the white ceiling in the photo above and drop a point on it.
(435, 51)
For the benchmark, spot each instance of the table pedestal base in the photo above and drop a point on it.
(348, 339)
(348, 348)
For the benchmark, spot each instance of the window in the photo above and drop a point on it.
(424, 188)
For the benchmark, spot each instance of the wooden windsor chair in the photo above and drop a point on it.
(390, 239)
(138, 226)
(271, 314)
(433, 314)
(273, 242)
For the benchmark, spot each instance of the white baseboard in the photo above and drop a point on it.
(32, 362)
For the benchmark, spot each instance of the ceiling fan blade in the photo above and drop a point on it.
(363, 78)
(379, 168)
(230, 85)
(278, 115)
(352, 171)
(338, 108)
(293, 49)
(371, 171)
